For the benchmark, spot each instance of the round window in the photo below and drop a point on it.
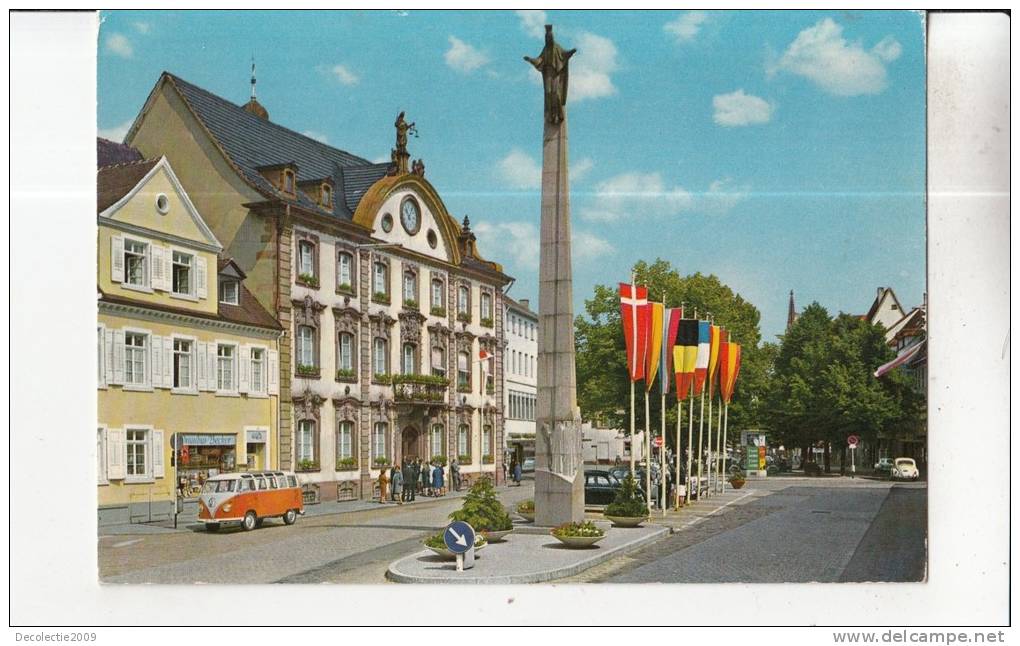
(433, 240)
(162, 203)
(387, 223)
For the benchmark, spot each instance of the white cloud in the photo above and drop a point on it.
(639, 195)
(822, 55)
(116, 133)
(687, 26)
(588, 246)
(521, 170)
(739, 109)
(519, 239)
(463, 57)
(591, 69)
(119, 45)
(318, 136)
(580, 168)
(533, 22)
(142, 27)
(343, 74)
(636, 194)
(382, 159)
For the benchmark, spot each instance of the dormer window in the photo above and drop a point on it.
(288, 181)
(326, 196)
(230, 291)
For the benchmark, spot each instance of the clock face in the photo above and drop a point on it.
(410, 217)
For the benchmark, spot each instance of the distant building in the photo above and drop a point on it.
(520, 368)
(791, 313)
(609, 445)
(886, 308)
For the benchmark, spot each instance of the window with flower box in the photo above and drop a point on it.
(381, 282)
(307, 264)
(438, 304)
(345, 272)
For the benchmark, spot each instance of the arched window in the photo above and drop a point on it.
(437, 439)
(408, 362)
(345, 440)
(486, 305)
(463, 370)
(410, 287)
(306, 258)
(344, 271)
(379, 440)
(438, 361)
(380, 280)
(437, 294)
(464, 300)
(487, 440)
(462, 439)
(345, 352)
(380, 356)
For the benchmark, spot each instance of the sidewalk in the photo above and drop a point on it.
(188, 520)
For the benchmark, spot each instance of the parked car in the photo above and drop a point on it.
(599, 487)
(904, 469)
(249, 498)
(884, 465)
(528, 466)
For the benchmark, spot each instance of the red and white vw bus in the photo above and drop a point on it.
(249, 498)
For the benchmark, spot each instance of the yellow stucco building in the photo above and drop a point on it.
(188, 359)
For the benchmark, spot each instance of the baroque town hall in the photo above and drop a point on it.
(392, 325)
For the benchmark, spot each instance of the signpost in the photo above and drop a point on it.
(460, 539)
(852, 443)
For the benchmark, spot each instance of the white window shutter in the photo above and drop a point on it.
(168, 269)
(211, 368)
(116, 453)
(157, 266)
(117, 259)
(243, 368)
(168, 362)
(157, 454)
(109, 360)
(201, 276)
(273, 372)
(202, 380)
(156, 360)
(118, 356)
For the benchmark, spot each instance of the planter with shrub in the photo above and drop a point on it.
(307, 465)
(526, 510)
(309, 280)
(628, 509)
(438, 311)
(438, 545)
(484, 512)
(347, 464)
(578, 535)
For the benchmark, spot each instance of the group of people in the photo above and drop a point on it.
(415, 476)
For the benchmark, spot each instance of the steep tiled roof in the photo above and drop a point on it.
(114, 182)
(248, 312)
(109, 153)
(251, 142)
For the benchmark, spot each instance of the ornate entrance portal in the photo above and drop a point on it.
(411, 443)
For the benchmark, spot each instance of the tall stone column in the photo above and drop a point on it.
(559, 477)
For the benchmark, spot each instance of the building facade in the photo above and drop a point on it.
(187, 380)
(392, 347)
(520, 375)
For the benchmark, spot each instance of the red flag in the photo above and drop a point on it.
(729, 367)
(634, 313)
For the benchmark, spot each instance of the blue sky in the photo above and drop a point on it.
(776, 150)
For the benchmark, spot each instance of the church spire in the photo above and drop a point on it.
(253, 77)
(791, 314)
(253, 106)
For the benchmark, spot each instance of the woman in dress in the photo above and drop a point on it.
(398, 486)
(437, 481)
(384, 481)
(425, 472)
(517, 473)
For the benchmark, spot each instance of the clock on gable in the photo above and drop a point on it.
(410, 216)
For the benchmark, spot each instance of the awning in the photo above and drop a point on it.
(901, 359)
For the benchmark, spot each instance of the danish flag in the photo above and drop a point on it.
(634, 313)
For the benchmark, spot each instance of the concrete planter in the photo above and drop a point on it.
(527, 515)
(578, 542)
(447, 554)
(495, 537)
(626, 521)
(737, 484)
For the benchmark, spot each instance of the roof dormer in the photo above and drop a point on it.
(320, 191)
(282, 176)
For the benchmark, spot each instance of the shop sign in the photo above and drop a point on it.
(202, 439)
(255, 437)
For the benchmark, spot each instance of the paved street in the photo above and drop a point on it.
(784, 529)
(792, 530)
(343, 546)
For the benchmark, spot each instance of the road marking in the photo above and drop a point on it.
(126, 543)
(716, 510)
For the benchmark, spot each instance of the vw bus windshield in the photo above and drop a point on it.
(219, 486)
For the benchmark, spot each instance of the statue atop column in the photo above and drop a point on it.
(553, 64)
(399, 154)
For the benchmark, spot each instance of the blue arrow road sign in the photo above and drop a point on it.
(459, 537)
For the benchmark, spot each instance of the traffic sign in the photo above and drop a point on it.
(853, 440)
(459, 537)
(658, 442)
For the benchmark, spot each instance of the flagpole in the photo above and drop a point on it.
(711, 460)
(701, 432)
(726, 421)
(662, 456)
(679, 416)
(690, 444)
(648, 451)
(634, 333)
(720, 452)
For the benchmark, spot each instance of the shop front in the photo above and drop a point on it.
(202, 455)
(256, 443)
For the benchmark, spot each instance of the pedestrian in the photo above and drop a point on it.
(425, 471)
(393, 476)
(415, 476)
(384, 481)
(616, 462)
(505, 468)
(455, 475)
(517, 473)
(398, 486)
(437, 480)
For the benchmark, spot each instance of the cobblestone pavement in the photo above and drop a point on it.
(342, 547)
(786, 530)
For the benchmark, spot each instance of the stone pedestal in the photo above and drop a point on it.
(559, 469)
